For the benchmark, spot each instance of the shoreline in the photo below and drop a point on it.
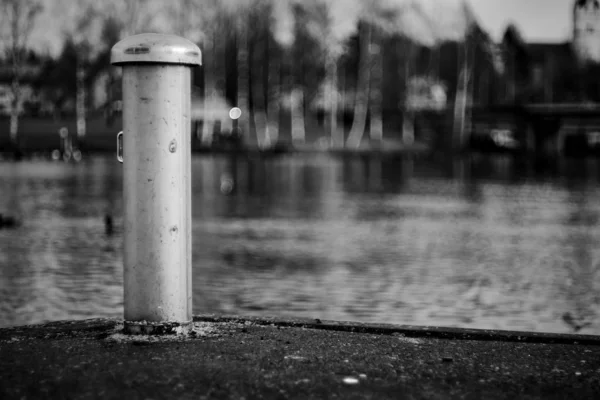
(285, 149)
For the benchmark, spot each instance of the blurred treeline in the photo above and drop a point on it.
(357, 67)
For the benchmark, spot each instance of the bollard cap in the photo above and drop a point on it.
(155, 48)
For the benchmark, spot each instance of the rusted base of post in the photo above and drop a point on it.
(156, 328)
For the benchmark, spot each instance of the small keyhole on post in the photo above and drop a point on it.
(173, 146)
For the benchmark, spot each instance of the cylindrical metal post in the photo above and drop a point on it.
(157, 179)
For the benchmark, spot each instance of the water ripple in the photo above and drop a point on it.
(313, 236)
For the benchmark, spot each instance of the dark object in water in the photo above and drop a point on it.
(108, 224)
(7, 222)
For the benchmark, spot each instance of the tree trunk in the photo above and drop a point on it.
(209, 90)
(80, 108)
(219, 72)
(15, 55)
(434, 62)
(341, 85)
(287, 84)
(297, 105)
(258, 92)
(331, 95)
(273, 91)
(408, 126)
(484, 88)
(375, 92)
(298, 127)
(243, 79)
(15, 109)
(362, 89)
(461, 99)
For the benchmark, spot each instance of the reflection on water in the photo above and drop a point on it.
(486, 243)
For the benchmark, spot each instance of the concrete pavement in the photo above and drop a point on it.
(241, 357)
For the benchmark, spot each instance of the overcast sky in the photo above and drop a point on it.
(538, 20)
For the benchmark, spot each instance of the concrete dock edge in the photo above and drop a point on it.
(234, 357)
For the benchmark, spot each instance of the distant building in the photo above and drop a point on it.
(424, 93)
(561, 72)
(586, 30)
(550, 65)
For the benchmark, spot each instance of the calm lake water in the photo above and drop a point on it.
(481, 242)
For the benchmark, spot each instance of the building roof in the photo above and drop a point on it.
(540, 52)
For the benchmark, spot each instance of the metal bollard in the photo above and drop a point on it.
(156, 156)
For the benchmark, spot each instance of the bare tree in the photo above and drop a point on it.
(16, 23)
(332, 23)
(127, 17)
(267, 66)
(461, 101)
(426, 22)
(83, 27)
(273, 90)
(375, 92)
(132, 16)
(214, 61)
(380, 18)
(361, 99)
(189, 18)
(284, 28)
(243, 75)
(455, 21)
(280, 76)
(199, 21)
(239, 12)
